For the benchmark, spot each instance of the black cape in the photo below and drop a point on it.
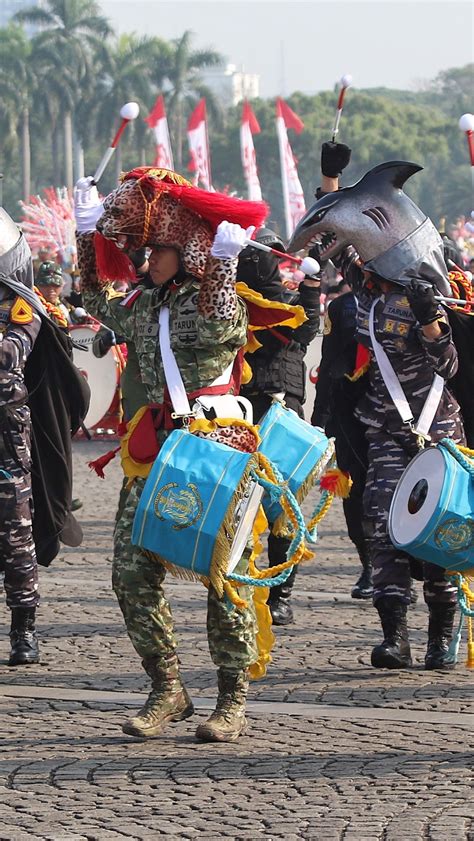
(58, 400)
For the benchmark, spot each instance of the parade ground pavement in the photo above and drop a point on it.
(334, 750)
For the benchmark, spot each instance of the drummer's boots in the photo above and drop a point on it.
(228, 721)
(279, 598)
(440, 632)
(167, 701)
(394, 651)
(363, 588)
(23, 639)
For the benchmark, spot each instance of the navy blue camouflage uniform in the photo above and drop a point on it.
(391, 445)
(17, 549)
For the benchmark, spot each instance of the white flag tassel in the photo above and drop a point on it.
(200, 162)
(128, 112)
(159, 124)
(293, 196)
(248, 127)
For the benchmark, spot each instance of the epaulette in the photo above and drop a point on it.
(21, 312)
(130, 299)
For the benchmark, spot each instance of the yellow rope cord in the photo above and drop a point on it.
(322, 513)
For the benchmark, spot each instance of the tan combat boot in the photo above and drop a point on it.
(228, 721)
(167, 701)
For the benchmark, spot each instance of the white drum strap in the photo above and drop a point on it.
(396, 392)
(174, 380)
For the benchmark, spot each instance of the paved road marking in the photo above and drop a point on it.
(312, 711)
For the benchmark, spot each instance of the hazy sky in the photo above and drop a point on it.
(307, 46)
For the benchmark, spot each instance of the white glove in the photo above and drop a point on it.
(88, 207)
(309, 266)
(229, 240)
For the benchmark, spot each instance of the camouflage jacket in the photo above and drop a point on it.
(19, 327)
(414, 358)
(208, 323)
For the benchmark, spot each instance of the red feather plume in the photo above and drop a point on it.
(212, 207)
(112, 264)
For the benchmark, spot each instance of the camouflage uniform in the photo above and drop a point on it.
(17, 549)
(415, 359)
(203, 348)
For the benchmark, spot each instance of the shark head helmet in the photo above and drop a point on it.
(392, 236)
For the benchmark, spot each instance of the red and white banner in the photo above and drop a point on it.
(293, 197)
(200, 162)
(158, 122)
(248, 127)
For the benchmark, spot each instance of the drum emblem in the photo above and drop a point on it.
(183, 506)
(454, 536)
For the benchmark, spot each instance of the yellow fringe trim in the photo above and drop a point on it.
(341, 484)
(225, 536)
(298, 314)
(280, 524)
(359, 373)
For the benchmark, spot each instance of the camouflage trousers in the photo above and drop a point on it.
(389, 455)
(17, 548)
(137, 580)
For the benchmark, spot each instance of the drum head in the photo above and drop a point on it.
(102, 374)
(416, 496)
(245, 514)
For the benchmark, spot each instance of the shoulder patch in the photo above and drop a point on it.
(21, 312)
(327, 325)
(130, 299)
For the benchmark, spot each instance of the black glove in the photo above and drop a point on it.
(103, 341)
(421, 298)
(334, 158)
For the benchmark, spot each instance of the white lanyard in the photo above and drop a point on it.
(396, 392)
(174, 380)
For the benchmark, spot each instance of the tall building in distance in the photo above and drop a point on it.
(8, 8)
(230, 85)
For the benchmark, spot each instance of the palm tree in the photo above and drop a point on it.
(17, 87)
(75, 31)
(178, 74)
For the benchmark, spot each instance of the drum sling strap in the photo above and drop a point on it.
(422, 427)
(174, 381)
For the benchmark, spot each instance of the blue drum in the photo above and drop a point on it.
(300, 451)
(198, 507)
(432, 511)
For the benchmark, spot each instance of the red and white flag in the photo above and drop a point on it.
(200, 162)
(248, 127)
(293, 196)
(158, 122)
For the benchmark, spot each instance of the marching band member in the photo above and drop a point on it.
(278, 368)
(192, 267)
(402, 258)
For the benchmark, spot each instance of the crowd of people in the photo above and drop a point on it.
(158, 263)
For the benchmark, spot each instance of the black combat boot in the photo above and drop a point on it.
(394, 651)
(279, 598)
(363, 588)
(24, 642)
(279, 601)
(440, 632)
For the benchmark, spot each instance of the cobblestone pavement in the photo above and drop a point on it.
(335, 749)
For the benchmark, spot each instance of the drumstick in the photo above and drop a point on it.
(308, 265)
(345, 83)
(128, 112)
